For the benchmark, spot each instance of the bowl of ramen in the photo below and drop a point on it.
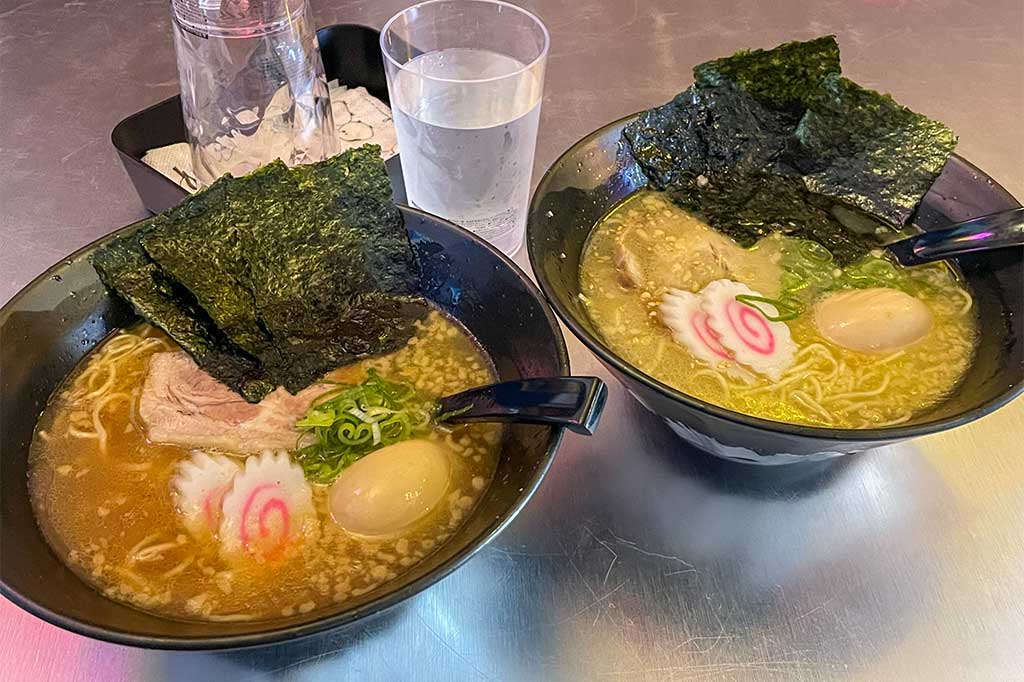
(724, 256)
(160, 488)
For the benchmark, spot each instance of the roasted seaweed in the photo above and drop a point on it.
(337, 280)
(279, 276)
(776, 140)
(125, 267)
(866, 150)
(785, 78)
(201, 243)
(703, 132)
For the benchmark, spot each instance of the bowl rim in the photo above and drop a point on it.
(342, 618)
(609, 357)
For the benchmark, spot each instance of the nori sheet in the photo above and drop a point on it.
(338, 279)
(719, 153)
(703, 132)
(755, 205)
(864, 149)
(125, 268)
(785, 78)
(280, 276)
(775, 140)
(200, 243)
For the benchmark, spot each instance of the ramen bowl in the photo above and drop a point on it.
(599, 172)
(58, 318)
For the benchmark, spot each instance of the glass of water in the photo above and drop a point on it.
(465, 79)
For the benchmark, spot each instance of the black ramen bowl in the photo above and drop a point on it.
(58, 318)
(598, 172)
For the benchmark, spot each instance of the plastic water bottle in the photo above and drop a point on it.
(252, 85)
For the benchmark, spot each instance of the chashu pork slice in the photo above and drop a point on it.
(183, 405)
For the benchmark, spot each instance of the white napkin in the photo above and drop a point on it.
(359, 118)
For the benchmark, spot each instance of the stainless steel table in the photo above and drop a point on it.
(639, 558)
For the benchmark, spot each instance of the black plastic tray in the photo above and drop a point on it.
(351, 54)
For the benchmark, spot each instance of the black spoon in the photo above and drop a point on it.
(993, 231)
(573, 402)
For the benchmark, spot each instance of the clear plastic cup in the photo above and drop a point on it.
(252, 85)
(465, 79)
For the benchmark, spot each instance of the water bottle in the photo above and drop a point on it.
(252, 85)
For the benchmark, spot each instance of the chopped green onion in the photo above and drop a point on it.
(445, 416)
(349, 422)
(793, 280)
(814, 251)
(783, 311)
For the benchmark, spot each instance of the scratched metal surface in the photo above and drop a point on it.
(638, 559)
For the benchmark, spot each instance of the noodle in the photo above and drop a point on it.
(889, 358)
(145, 345)
(152, 552)
(142, 543)
(817, 387)
(812, 347)
(88, 387)
(807, 401)
(111, 370)
(716, 376)
(141, 466)
(72, 431)
(798, 369)
(825, 354)
(865, 394)
(118, 349)
(777, 385)
(133, 408)
(968, 301)
(132, 576)
(230, 617)
(894, 422)
(121, 342)
(865, 377)
(659, 354)
(180, 567)
(98, 423)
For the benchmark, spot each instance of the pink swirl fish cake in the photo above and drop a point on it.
(682, 313)
(764, 346)
(269, 509)
(198, 487)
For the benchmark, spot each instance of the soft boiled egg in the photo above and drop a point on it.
(391, 488)
(876, 320)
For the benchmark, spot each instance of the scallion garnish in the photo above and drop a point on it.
(349, 422)
(782, 310)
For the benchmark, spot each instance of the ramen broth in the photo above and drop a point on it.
(101, 491)
(648, 251)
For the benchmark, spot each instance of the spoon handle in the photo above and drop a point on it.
(573, 402)
(994, 231)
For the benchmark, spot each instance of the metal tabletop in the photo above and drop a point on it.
(639, 558)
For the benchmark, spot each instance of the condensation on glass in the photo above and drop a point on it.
(465, 79)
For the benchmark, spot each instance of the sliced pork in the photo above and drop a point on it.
(631, 275)
(183, 405)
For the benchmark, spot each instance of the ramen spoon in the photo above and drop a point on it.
(573, 402)
(993, 231)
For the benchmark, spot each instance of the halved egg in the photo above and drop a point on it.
(875, 320)
(391, 488)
